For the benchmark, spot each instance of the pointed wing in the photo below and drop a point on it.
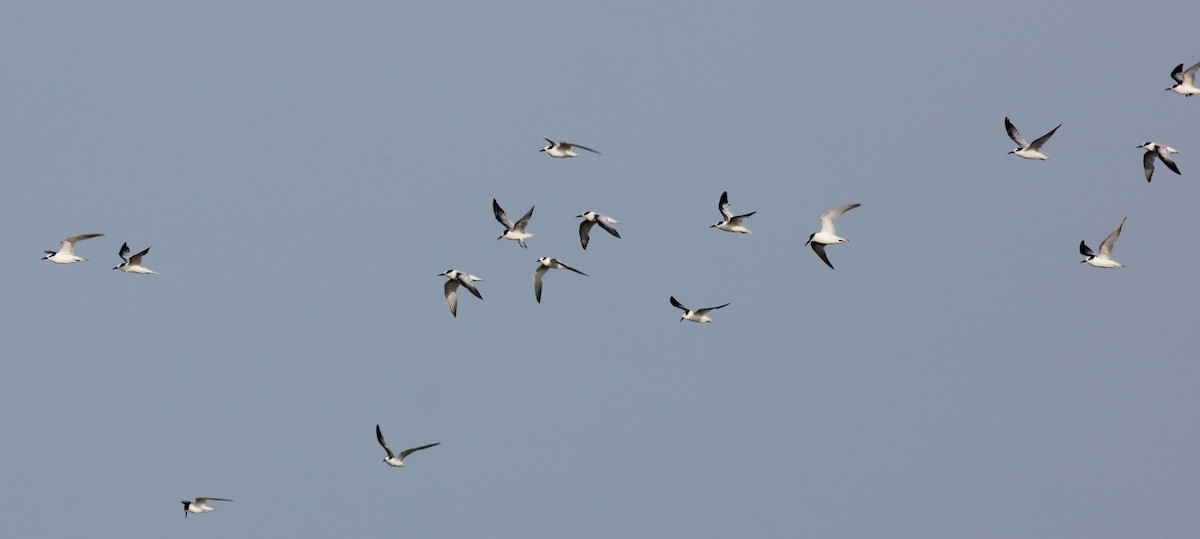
(1014, 134)
(1037, 144)
(450, 289)
(737, 219)
(1106, 246)
(566, 267)
(500, 215)
(819, 248)
(524, 219)
(136, 260)
(604, 221)
(408, 452)
(124, 252)
(1189, 76)
(678, 305)
(723, 205)
(1166, 159)
(379, 436)
(572, 144)
(538, 272)
(465, 280)
(701, 312)
(1177, 74)
(827, 218)
(584, 228)
(1085, 250)
(202, 501)
(69, 241)
(1148, 164)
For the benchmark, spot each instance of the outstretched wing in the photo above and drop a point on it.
(819, 248)
(584, 228)
(500, 215)
(408, 452)
(827, 226)
(1014, 134)
(1106, 246)
(1037, 144)
(379, 436)
(678, 305)
(723, 205)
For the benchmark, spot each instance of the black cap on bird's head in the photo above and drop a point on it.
(48, 254)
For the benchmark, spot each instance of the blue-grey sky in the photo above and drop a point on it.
(304, 171)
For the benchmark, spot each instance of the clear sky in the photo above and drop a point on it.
(304, 172)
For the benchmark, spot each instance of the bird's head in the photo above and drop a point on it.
(48, 254)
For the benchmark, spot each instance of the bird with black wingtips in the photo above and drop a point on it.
(456, 278)
(66, 250)
(828, 233)
(590, 219)
(563, 149)
(513, 231)
(1028, 150)
(699, 316)
(545, 264)
(729, 221)
(397, 460)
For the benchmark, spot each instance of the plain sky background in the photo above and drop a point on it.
(304, 171)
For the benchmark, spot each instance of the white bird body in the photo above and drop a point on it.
(133, 264)
(699, 316)
(396, 460)
(590, 219)
(1185, 81)
(200, 505)
(730, 222)
(66, 250)
(1162, 152)
(450, 289)
(545, 264)
(828, 233)
(1028, 151)
(563, 149)
(1104, 259)
(513, 231)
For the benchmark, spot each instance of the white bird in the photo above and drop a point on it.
(591, 219)
(513, 231)
(1163, 152)
(828, 233)
(133, 264)
(1185, 81)
(696, 315)
(456, 278)
(200, 505)
(563, 149)
(731, 222)
(1028, 151)
(545, 264)
(66, 250)
(393, 460)
(1104, 259)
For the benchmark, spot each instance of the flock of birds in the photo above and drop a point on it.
(516, 231)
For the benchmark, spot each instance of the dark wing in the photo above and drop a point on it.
(820, 250)
(525, 218)
(408, 452)
(124, 252)
(723, 205)
(583, 148)
(379, 436)
(1148, 164)
(465, 280)
(1162, 155)
(570, 268)
(1014, 134)
(608, 227)
(678, 305)
(706, 309)
(584, 228)
(500, 215)
(1037, 144)
(1177, 74)
(1085, 250)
